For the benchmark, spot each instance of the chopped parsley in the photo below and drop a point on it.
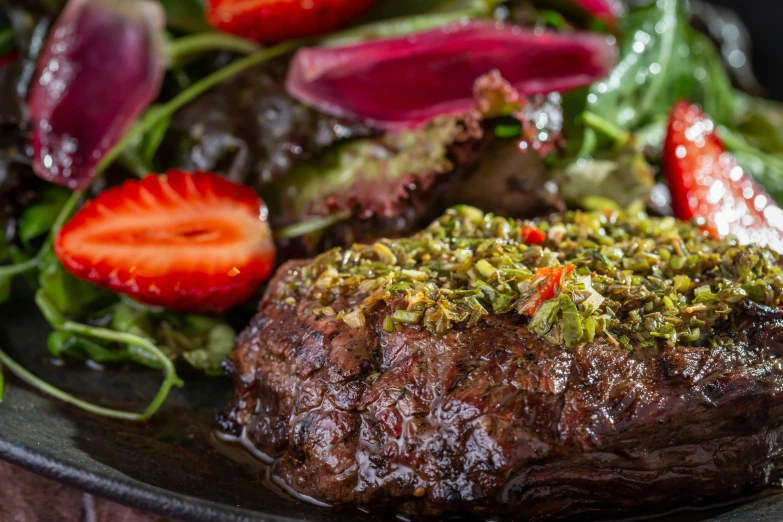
(634, 280)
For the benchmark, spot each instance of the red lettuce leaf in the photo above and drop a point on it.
(404, 82)
(102, 65)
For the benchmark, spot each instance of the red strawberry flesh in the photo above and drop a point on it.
(188, 242)
(706, 183)
(404, 82)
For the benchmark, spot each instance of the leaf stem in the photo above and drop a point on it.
(7, 272)
(181, 49)
(55, 318)
(618, 135)
(736, 143)
(200, 87)
(313, 225)
(43, 386)
(669, 22)
(33, 263)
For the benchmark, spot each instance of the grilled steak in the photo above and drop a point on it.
(444, 373)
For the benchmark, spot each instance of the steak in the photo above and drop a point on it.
(493, 414)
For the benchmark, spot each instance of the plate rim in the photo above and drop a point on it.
(129, 492)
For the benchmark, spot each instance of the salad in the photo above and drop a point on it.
(162, 157)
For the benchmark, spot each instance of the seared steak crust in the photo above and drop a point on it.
(495, 419)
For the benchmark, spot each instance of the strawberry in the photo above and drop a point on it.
(187, 242)
(706, 183)
(548, 287)
(278, 20)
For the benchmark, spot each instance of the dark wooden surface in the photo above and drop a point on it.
(26, 497)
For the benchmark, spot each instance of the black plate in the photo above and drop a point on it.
(173, 465)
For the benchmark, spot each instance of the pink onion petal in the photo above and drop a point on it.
(101, 67)
(404, 82)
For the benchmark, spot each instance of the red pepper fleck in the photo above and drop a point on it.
(532, 236)
(547, 289)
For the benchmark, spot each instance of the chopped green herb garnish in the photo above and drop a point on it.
(638, 281)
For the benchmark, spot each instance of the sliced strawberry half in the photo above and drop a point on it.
(186, 242)
(278, 20)
(706, 182)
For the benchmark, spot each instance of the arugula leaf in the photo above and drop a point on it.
(663, 59)
(185, 15)
(71, 296)
(393, 27)
(65, 345)
(203, 342)
(38, 219)
(140, 154)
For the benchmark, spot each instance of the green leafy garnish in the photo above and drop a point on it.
(201, 341)
(573, 329)
(545, 317)
(662, 60)
(38, 219)
(70, 295)
(185, 15)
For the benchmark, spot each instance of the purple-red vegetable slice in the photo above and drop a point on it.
(404, 82)
(101, 67)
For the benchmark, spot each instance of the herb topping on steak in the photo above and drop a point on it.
(642, 278)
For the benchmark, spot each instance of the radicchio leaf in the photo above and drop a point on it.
(102, 65)
(402, 83)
